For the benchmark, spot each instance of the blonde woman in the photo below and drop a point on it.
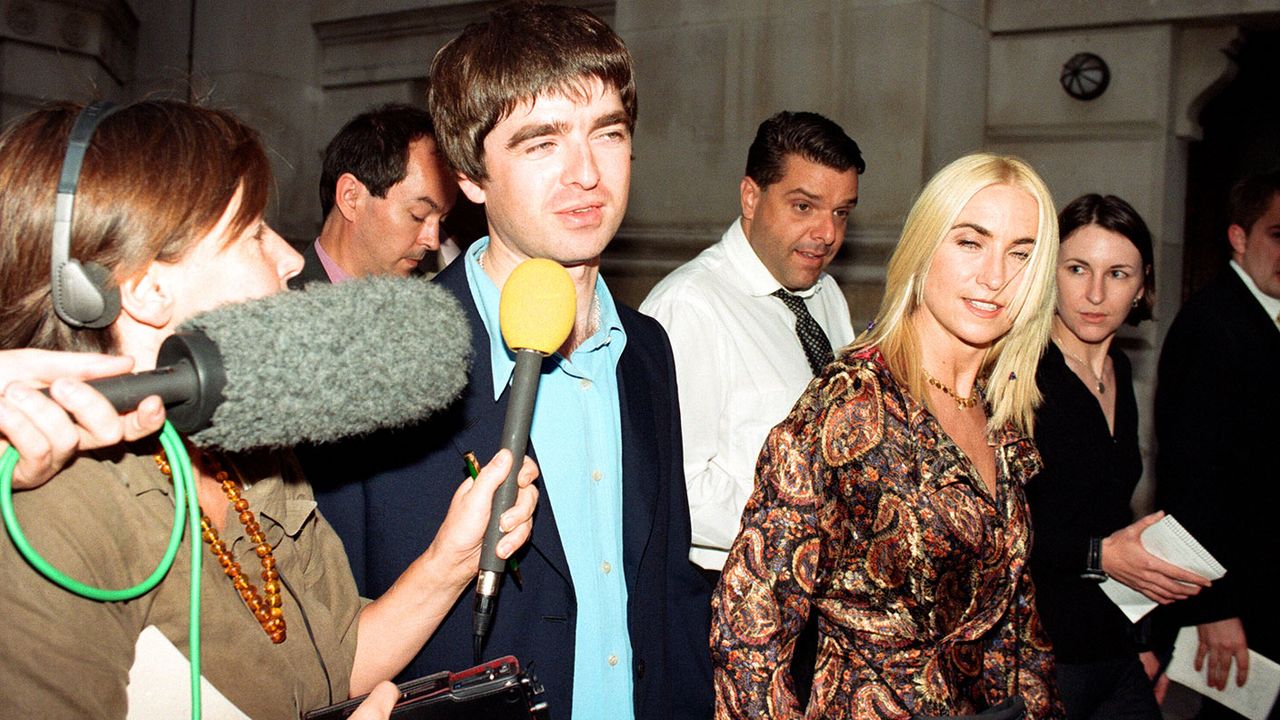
(890, 501)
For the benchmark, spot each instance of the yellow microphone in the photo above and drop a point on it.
(537, 307)
(536, 314)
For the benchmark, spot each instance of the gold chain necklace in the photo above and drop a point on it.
(1097, 379)
(963, 403)
(267, 607)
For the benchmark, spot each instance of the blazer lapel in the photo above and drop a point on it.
(641, 458)
(483, 418)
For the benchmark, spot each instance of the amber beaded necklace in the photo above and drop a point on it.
(266, 608)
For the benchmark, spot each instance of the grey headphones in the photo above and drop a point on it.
(82, 294)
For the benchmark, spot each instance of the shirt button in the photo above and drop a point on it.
(613, 660)
(585, 384)
(606, 568)
(597, 475)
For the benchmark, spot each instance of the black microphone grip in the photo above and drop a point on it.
(515, 437)
(189, 378)
(173, 384)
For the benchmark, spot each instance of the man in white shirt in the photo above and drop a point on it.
(740, 358)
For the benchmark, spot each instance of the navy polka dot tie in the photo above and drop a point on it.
(817, 348)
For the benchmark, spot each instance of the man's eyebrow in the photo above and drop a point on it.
(613, 118)
(813, 196)
(430, 201)
(528, 132)
(805, 193)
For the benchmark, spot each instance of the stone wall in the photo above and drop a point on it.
(916, 82)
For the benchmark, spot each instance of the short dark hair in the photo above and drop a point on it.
(1118, 216)
(809, 135)
(374, 147)
(1250, 198)
(522, 50)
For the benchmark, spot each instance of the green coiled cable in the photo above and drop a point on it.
(184, 496)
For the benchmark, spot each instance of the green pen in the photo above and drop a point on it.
(473, 471)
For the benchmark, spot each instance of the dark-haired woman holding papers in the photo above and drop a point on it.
(1087, 431)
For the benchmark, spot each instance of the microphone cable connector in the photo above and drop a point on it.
(482, 612)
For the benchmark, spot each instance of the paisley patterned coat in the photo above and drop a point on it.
(866, 513)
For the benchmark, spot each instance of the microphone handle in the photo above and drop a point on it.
(515, 437)
(189, 378)
(173, 384)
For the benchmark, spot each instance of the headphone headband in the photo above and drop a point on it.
(82, 296)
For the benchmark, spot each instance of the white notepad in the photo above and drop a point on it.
(1171, 542)
(1254, 700)
(160, 683)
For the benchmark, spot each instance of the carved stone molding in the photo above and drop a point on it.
(369, 43)
(106, 30)
(1204, 69)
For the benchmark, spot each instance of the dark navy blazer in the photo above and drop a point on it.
(312, 269)
(387, 495)
(1216, 418)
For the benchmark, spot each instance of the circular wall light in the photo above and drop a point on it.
(1085, 76)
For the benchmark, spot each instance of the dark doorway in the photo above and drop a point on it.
(1241, 136)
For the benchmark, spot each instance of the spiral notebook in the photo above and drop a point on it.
(1171, 542)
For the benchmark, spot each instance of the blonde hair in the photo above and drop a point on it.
(1010, 363)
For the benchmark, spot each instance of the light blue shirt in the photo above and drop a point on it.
(577, 433)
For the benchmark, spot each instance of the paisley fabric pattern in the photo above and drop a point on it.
(866, 513)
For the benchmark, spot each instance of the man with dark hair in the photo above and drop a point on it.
(1217, 410)
(384, 190)
(534, 109)
(754, 317)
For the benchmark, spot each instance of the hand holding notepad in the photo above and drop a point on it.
(1169, 541)
(1253, 700)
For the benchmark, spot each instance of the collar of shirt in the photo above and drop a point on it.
(335, 273)
(262, 477)
(750, 273)
(1268, 303)
(501, 359)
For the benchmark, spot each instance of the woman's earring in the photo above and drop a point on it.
(1136, 298)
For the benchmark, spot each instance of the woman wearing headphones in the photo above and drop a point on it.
(170, 202)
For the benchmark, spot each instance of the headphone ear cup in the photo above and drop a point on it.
(84, 297)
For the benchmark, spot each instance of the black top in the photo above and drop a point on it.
(1083, 492)
(1216, 409)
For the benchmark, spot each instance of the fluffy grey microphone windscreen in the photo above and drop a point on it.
(333, 361)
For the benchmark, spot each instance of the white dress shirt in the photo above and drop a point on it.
(739, 369)
(1269, 304)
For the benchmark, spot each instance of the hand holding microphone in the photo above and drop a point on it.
(47, 430)
(536, 313)
(459, 540)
